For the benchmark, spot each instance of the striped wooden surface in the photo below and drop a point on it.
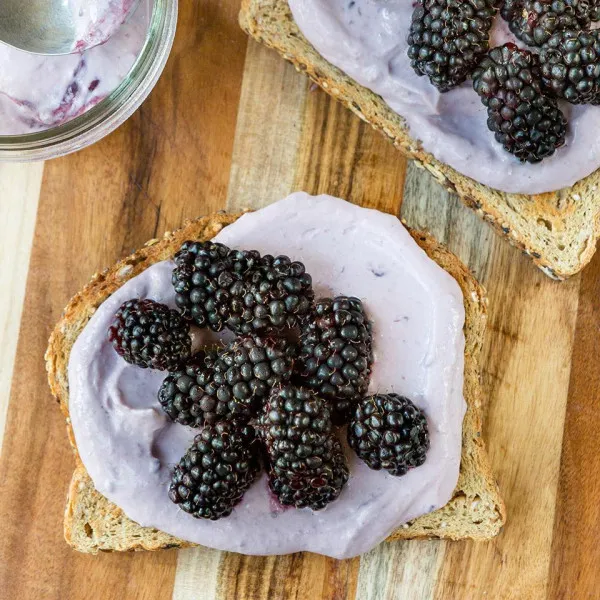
(231, 126)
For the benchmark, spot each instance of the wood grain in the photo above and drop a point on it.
(19, 195)
(526, 399)
(169, 162)
(575, 566)
(232, 126)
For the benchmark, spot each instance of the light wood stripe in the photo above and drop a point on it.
(19, 195)
(197, 574)
(400, 570)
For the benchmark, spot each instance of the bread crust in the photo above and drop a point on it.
(93, 524)
(557, 230)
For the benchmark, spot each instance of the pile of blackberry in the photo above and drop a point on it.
(275, 396)
(449, 42)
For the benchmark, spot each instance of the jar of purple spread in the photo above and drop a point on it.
(54, 105)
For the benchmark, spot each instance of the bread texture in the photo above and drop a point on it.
(558, 230)
(93, 524)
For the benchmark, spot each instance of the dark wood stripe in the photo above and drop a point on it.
(169, 162)
(575, 567)
(297, 577)
(342, 156)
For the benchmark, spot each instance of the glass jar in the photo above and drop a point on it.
(111, 112)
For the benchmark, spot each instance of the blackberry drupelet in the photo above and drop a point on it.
(150, 335)
(227, 385)
(534, 21)
(216, 471)
(336, 353)
(278, 294)
(448, 38)
(209, 282)
(389, 432)
(570, 65)
(306, 464)
(527, 122)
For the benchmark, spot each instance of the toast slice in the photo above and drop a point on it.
(558, 230)
(93, 524)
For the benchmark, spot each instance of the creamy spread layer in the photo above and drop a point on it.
(367, 39)
(40, 92)
(129, 447)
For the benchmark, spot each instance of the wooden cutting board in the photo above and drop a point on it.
(231, 126)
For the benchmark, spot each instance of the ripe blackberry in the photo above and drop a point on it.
(218, 287)
(188, 395)
(150, 335)
(295, 425)
(208, 282)
(306, 463)
(336, 353)
(278, 294)
(215, 472)
(389, 432)
(534, 21)
(250, 366)
(570, 65)
(227, 385)
(527, 122)
(315, 488)
(448, 38)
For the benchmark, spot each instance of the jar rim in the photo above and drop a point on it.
(112, 111)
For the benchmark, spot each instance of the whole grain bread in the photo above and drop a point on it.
(558, 230)
(92, 523)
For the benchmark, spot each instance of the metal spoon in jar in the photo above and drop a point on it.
(61, 26)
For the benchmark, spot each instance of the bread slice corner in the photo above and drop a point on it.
(558, 230)
(93, 524)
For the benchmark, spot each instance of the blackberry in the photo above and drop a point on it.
(150, 335)
(313, 489)
(534, 21)
(336, 353)
(570, 64)
(218, 287)
(188, 395)
(306, 465)
(227, 385)
(527, 122)
(250, 366)
(209, 282)
(216, 471)
(278, 294)
(448, 38)
(389, 432)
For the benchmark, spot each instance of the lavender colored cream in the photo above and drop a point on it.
(40, 92)
(95, 22)
(367, 39)
(129, 447)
